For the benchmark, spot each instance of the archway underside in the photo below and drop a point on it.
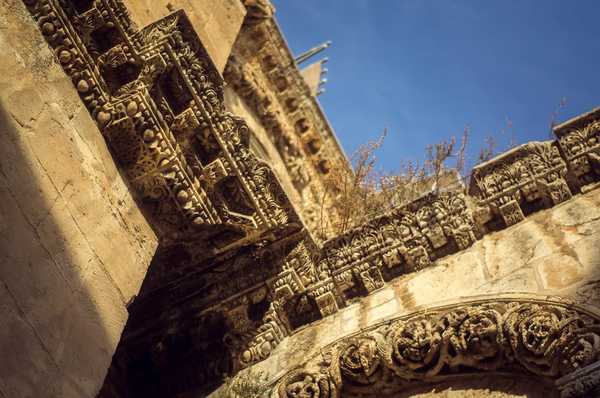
(545, 341)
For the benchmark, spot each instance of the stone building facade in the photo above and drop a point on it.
(164, 169)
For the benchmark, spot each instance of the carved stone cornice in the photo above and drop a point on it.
(541, 338)
(579, 141)
(510, 184)
(406, 239)
(263, 73)
(158, 100)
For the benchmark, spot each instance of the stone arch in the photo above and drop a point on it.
(548, 340)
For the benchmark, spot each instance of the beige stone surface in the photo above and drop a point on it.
(312, 76)
(555, 252)
(217, 22)
(476, 386)
(74, 248)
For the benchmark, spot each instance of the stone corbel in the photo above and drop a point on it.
(511, 212)
(579, 141)
(369, 276)
(324, 297)
(286, 285)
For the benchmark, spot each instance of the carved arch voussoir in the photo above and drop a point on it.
(543, 338)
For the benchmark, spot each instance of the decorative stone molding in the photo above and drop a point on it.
(579, 141)
(406, 239)
(541, 338)
(232, 254)
(264, 75)
(245, 81)
(158, 101)
(516, 179)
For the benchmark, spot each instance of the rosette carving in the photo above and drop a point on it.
(540, 339)
(360, 360)
(534, 334)
(414, 348)
(302, 384)
(582, 348)
(476, 338)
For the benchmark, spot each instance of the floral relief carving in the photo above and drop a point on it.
(579, 141)
(305, 385)
(158, 101)
(360, 359)
(519, 177)
(546, 339)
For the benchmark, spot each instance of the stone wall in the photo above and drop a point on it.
(555, 252)
(237, 273)
(65, 283)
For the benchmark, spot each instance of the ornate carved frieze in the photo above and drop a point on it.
(246, 81)
(158, 101)
(542, 339)
(262, 72)
(521, 180)
(407, 239)
(235, 273)
(579, 141)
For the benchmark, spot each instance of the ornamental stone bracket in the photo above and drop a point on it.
(407, 239)
(550, 340)
(158, 100)
(579, 142)
(514, 183)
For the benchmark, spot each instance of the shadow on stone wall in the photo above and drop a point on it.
(61, 312)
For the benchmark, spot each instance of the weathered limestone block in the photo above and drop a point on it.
(216, 22)
(65, 283)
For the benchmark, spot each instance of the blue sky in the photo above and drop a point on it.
(426, 69)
